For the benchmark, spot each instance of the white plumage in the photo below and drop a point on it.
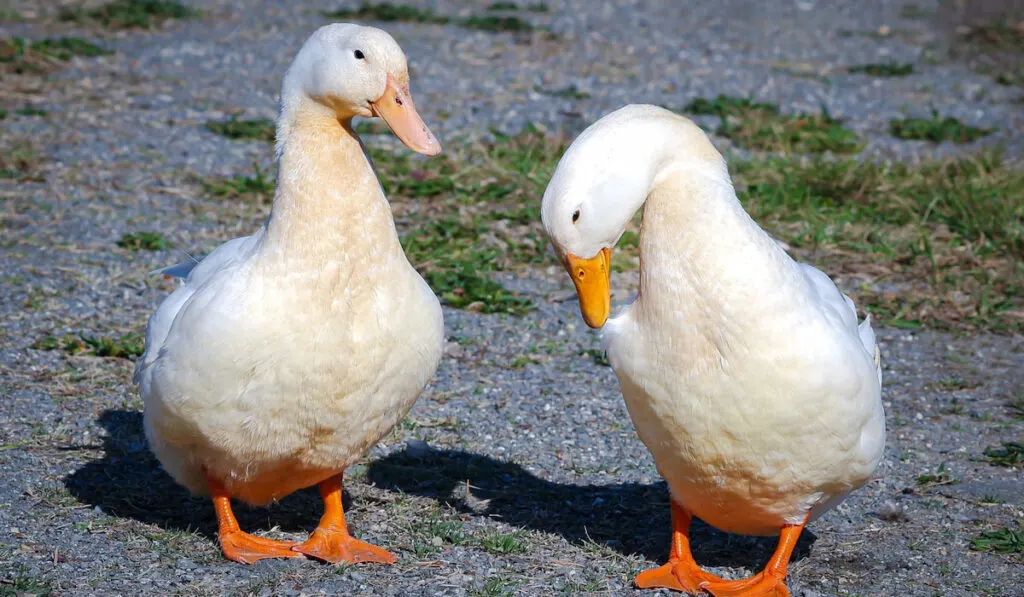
(747, 374)
(285, 355)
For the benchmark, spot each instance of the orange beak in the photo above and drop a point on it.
(395, 107)
(592, 278)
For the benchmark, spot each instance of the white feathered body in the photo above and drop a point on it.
(285, 355)
(746, 374)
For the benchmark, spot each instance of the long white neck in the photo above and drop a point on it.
(329, 205)
(703, 261)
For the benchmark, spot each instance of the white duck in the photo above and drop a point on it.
(287, 354)
(746, 373)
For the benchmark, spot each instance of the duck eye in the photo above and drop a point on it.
(359, 55)
(575, 216)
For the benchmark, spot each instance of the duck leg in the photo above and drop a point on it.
(770, 581)
(331, 542)
(681, 572)
(236, 544)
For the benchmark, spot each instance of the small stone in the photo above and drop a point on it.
(892, 512)
(417, 448)
(436, 541)
(185, 564)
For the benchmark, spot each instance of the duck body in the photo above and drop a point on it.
(276, 365)
(746, 374)
(285, 355)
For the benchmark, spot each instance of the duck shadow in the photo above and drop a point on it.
(128, 482)
(630, 518)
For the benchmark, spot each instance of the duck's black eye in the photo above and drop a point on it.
(575, 216)
(360, 55)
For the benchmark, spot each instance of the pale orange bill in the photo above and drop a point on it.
(398, 111)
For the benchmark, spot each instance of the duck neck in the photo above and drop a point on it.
(701, 255)
(328, 197)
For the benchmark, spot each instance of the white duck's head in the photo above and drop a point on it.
(604, 177)
(352, 70)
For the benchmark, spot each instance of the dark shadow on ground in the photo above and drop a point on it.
(630, 518)
(128, 482)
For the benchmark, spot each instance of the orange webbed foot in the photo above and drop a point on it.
(763, 584)
(675, 575)
(242, 547)
(337, 547)
(331, 542)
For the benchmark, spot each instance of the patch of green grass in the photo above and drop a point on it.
(482, 217)
(1016, 408)
(502, 543)
(495, 24)
(1011, 454)
(941, 477)
(23, 56)
(123, 347)
(1003, 35)
(940, 243)
(20, 164)
(1009, 77)
(568, 92)
(497, 586)
(936, 129)
(948, 234)
(449, 531)
(434, 532)
(30, 111)
(762, 126)
(955, 383)
(724, 105)
(458, 269)
(521, 361)
(913, 11)
(131, 14)
(499, 6)
(887, 69)
(23, 585)
(387, 12)
(1004, 540)
(143, 241)
(259, 129)
(956, 408)
(538, 7)
(597, 355)
(258, 186)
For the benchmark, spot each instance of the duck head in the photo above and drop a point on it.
(351, 70)
(603, 178)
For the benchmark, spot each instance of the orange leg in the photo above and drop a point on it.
(237, 545)
(331, 542)
(768, 582)
(681, 572)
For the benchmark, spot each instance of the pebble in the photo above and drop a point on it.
(417, 448)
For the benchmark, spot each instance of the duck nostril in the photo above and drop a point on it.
(581, 274)
(398, 100)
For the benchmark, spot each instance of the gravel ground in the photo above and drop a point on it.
(518, 471)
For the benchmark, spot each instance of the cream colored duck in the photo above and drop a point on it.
(746, 373)
(287, 354)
